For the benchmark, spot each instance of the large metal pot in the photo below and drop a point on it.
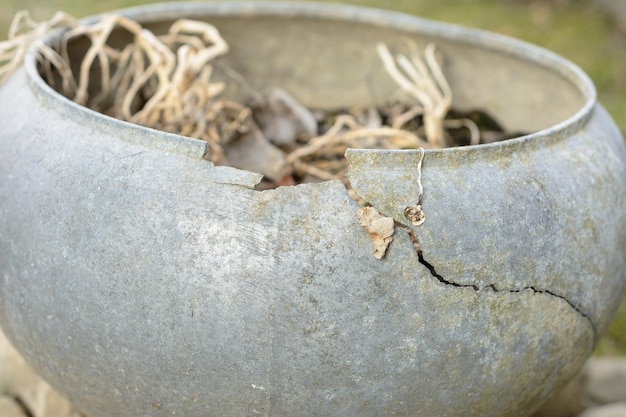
(140, 280)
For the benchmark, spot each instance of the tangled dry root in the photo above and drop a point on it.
(24, 32)
(165, 82)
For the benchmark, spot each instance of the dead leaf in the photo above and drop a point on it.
(379, 228)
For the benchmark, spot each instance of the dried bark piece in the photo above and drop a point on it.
(379, 228)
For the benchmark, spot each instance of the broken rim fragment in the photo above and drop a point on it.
(139, 279)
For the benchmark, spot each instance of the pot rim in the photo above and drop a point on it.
(156, 139)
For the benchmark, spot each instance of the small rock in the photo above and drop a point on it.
(570, 401)
(9, 408)
(607, 380)
(611, 410)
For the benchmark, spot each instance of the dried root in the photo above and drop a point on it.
(423, 80)
(23, 33)
(415, 214)
(322, 157)
(165, 82)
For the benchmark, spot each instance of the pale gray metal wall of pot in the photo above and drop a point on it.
(140, 280)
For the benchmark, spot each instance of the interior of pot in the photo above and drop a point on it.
(330, 64)
(327, 59)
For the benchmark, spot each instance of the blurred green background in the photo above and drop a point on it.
(591, 33)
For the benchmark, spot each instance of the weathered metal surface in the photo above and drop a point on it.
(138, 279)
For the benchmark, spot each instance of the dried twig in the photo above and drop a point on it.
(415, 214)
(425, 82)
(347, 133)
(469, 124)
(165, 82)
(24, 32)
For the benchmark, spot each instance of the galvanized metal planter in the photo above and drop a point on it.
(138, 279)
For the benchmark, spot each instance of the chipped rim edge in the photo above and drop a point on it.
(153, 138)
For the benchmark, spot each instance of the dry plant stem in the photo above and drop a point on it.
(424, 81)
(322, 174)
(48, 59)
(415, 214)
(337, 139)
(469, 124)
(162, 62)
(121, 79)
(164, 82)
(161, 82)
(184, 77)
(209, 34)
(98, 34)
(317, 143)
(323, 157)
(407, 116)
(408, 139)
(23, 32)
